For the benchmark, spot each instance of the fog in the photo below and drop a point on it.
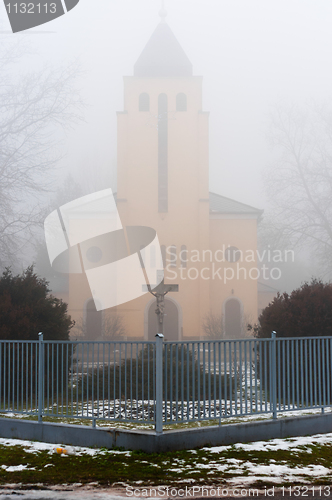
(253, 56)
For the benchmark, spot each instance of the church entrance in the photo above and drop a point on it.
(233, 319)
(171, 321)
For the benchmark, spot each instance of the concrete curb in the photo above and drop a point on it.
(181, 439)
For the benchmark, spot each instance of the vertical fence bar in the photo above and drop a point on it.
(302, 372)
(225, 378)
(159, 384)
(297, 378)
(177, 381)
(256, 377)
(240, 377)
(142, 392)
(235, 378)
(193, 364)
(323, 375)
(131, 378)
(306, 372)
(293, 374)
(9, 372)
(170, 382)
(188, 384)
(315, 370)
(40, 378)
(219, 379)
(1, 376)
(149, 370)
(327, 373)
(284, 361)
(204, 379)
(274, 374)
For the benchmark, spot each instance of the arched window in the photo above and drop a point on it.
(144, 102)
(181, 102)
(233, 319)
(93, 324)
(184, 256)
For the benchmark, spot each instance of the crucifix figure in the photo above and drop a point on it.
(159, 292)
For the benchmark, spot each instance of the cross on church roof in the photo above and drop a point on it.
(163, 56)
(163, 11)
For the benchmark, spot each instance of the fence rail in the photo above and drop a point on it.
(165, 382)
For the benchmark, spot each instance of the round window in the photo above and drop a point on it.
(94, 254)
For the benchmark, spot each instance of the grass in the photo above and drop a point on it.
(202, 467)
(116, 424)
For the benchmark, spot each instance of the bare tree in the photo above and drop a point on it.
(112, 327)
(213, 326)
(299, 183)
(33, 105)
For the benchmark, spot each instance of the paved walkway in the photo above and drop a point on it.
(88, 493)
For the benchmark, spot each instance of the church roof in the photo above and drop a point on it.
(264, 288)
(163, 56)
(222, 205)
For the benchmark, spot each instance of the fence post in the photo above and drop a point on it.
(159, 384)
(274, 373)
(40, 378)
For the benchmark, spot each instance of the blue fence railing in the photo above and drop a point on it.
(165, 382)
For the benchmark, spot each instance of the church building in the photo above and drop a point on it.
(208, 242)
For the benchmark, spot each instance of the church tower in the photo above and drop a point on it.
(162, 137)
(163, 162)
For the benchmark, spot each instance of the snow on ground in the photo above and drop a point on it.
(245, 472)
(137, 414)
(35, 447)
(16, 468)
(277, 444)
(62, 494)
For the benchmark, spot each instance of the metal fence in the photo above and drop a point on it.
(165, 382)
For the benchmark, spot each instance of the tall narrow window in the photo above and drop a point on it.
(144, 102)
(142, 251)
(181, 102)
(152, 257)
(163, 254)
(162, 153)
(184, 256)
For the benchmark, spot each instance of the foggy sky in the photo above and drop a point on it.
(252, 55)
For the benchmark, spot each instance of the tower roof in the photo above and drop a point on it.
(163, 56)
